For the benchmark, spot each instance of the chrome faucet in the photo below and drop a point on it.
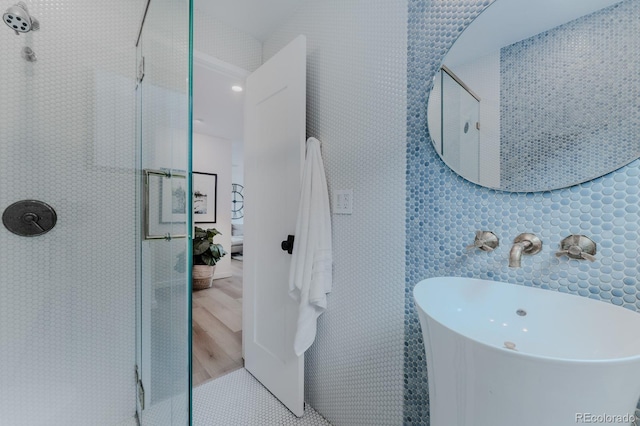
(523, 244)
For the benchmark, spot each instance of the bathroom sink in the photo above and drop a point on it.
(502, 354)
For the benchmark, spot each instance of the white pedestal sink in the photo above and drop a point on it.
(504, 355)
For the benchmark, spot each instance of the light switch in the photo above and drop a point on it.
(343, 201)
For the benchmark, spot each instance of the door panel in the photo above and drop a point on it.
(275, 129)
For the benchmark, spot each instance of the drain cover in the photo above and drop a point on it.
(521, 312)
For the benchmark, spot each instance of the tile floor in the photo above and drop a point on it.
(129, 422)
(240, 400)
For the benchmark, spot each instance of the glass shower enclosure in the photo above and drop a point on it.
(164, 296)
(94, 315)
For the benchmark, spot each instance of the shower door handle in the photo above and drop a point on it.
(162, 174)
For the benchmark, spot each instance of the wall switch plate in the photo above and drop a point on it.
(343, 201)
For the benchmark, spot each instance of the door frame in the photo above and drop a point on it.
(214, 64)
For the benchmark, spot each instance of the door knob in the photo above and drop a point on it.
(288, 244)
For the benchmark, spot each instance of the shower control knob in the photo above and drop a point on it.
(32, 219)
(29, 218)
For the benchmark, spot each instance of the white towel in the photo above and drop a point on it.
(310, 274)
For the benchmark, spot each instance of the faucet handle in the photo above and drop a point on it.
(578, 247)
(485, 241)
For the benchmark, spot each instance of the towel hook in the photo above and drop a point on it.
(319, 141)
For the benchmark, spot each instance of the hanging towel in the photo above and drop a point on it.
(310, 274)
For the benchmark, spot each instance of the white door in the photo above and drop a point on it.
(275, 130)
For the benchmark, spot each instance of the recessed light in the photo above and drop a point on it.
(237, 88)
(198, 120)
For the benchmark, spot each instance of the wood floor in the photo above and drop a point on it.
(217, 327)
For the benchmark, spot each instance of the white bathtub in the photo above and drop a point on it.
(569, 360)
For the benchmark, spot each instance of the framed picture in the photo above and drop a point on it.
(173, 201)
(205, 186)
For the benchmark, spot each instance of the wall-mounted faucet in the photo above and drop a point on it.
(523, 244)
(485, 241)
(578, 247)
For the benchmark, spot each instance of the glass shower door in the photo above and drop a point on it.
(164, 292)
(460, 134)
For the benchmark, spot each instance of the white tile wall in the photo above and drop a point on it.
(67, 137)
(357, 55)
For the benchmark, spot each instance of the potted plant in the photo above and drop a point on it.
(206, 254)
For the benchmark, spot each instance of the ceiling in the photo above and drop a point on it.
(222, 110)
(219, 108)
(256, 17)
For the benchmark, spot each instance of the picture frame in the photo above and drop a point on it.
(205, 197)
(173, 200)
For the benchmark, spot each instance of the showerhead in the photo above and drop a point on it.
(18, 19)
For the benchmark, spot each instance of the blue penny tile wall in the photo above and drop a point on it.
(536, 129)
(444, 211)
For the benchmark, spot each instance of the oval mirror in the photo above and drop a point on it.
(540, 95)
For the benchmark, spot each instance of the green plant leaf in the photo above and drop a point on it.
(212, 232)
(200, 233)
(200, 247)
(208, 259)
(205, 251)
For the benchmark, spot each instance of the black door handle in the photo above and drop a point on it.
(288, 244)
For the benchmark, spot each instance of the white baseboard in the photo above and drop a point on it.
(223, 274)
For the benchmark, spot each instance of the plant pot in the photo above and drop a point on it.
(202, 276)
